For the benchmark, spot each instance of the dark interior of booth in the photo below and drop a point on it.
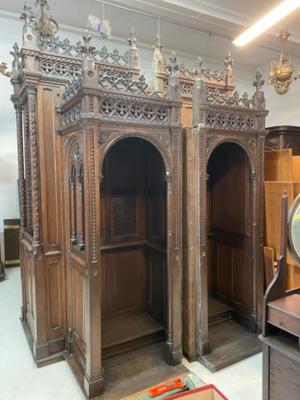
(228, 236)
(133, 246)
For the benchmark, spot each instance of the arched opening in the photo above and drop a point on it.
(229, 247)
(133, 246)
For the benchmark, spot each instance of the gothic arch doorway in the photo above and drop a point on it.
(133, 204)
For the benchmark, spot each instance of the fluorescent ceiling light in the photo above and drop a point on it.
(270, 19)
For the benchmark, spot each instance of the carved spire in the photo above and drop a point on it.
(16, 60)
(27, 15)
(259, 97)
(87, 49)
(134, 58)
(173, 64)
(158, 67)
(259, 81)
(229, 83)
(198, 71)
(199, 91)
(173, 84)
(132, 39)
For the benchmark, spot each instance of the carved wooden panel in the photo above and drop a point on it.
(124, 216)
(157, 284)
(49, 174)
(55, 296)
(124, 274)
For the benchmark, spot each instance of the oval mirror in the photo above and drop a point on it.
(294, 229)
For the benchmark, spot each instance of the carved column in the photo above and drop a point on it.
(28, 203)
(34, 165)
(79, 211)
(93, 379)
(72, 183)
(21, 180)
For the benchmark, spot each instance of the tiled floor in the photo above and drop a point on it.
(21, 380)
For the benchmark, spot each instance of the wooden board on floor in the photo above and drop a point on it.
(126, 327)
(229, 342)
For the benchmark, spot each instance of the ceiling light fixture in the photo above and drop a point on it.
(275, 15)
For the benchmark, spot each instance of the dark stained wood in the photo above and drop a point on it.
(11, 243)
(285, 314)
(284, 137)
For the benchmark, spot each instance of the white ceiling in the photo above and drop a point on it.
(193, 20)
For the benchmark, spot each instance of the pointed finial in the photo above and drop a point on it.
(173, 64)
(87, 49)
(259, 81)
(27, 15)
(132, 40)
(157, 42)
(198, 71)
(228, 61)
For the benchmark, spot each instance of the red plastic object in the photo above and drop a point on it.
(166, 387)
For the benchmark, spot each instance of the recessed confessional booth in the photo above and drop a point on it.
(133, 245)
(223, 283)
(230, 278)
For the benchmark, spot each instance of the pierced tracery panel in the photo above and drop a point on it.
(124, 216)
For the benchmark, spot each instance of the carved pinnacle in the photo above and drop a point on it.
(27, 15)
(173, 64)
(198, 71)
(132, 40)
(228, 61)
(259, 81)
(87, 49)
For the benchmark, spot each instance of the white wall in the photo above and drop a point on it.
(283, 109)
(10, 33)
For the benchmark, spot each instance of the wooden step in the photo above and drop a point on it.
(218, 312)
(284, 313)
(127, 332)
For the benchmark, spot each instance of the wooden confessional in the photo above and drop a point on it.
(223, 205)
(100, 184)
(122, 170)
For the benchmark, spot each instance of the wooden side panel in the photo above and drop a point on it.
(296, 168)
(278, 165)
(157, 284)
(284, 377)
(124, 274)
(78, 287)
(273, 194)
(54, 278)
(28, 267)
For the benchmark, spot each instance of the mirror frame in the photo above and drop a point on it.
(292, 211)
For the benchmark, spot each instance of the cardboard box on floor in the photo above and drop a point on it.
(208, 392)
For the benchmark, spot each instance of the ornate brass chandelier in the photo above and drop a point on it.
(281, 71)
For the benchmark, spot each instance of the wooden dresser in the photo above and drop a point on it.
(281, 329)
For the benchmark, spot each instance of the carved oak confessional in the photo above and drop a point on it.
(101, 156)
(224, 218)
